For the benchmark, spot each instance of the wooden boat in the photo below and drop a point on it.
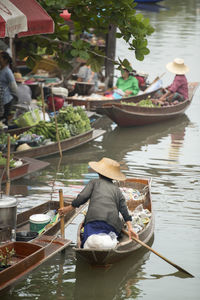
(32, 253)
(127, 115)
(95, 105)
(125, 246)
(23, 225)
(29, 165)
(28, 256)
(68, 144)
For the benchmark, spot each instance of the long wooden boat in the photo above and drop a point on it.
(29, 166)
(125, 246)
(23, 225)
(96, 105)
(126, 115)
(28, 256)
(68, 144)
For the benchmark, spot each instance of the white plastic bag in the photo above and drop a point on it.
(101, 241)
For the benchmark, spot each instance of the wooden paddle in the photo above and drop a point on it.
(8, 167)
(62, 220)
(42, 96)
(164, 258)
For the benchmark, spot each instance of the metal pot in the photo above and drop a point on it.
(8, 211)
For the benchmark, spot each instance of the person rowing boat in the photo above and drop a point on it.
(106, 201)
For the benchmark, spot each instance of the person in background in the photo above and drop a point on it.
(8, 83)
(106, 201)
(127, 83)
(85, 74)
(178, 90)
(23, 91)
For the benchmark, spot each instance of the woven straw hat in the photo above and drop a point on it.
(177, 66)
(18, 77)
(108, 168)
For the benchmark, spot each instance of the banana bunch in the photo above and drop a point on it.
(75, 118)
(48, 130)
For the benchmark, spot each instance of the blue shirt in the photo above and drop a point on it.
(6, 79)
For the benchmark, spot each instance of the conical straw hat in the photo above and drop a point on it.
(108, 168)
(177, 66)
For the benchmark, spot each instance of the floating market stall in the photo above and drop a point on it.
(73, 129)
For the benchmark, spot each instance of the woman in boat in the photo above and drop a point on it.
(106, 201)
(8, 83)
(127, 83)
(178, 90)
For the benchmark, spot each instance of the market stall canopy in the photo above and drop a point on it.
(23, 17)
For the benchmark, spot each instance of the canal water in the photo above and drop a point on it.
(169, 153)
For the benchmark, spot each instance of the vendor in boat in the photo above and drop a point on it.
(8, 85)
(24, 93)
(106, 201)
(178, 90)
(127, 83)
(86, 76)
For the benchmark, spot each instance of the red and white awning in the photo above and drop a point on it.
(23, 17)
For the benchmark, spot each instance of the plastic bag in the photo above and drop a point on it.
(29, 118)
(101, 241)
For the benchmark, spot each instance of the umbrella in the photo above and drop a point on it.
(24, 18)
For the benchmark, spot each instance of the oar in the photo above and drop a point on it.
(62, 220)
(164, 258)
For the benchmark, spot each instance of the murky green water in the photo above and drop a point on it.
(169, 153)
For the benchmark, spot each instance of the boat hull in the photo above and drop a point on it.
(28, 256)
(29, 166)
(68, 144)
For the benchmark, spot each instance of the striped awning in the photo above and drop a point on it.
(24, 18)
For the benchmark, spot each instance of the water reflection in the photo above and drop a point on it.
(123, 140)
(118, 282)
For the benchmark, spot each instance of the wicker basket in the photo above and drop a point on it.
(47, 65)
(132, 204)
(84, 88)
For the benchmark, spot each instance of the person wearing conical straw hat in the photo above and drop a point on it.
(23, 91)
(178, 90)
(106, 201)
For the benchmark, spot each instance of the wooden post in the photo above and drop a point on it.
(57, 133)
(8, 167)
(62, 220)
(43, 104)
(110, 53)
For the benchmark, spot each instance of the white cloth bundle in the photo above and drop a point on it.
(101, 241)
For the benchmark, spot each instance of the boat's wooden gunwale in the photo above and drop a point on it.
(94, 105)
